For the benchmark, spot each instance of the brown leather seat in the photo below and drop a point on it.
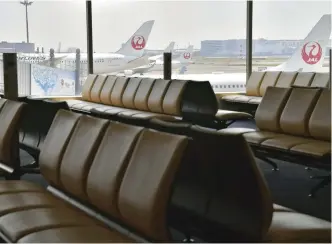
(252, 87)
(294, 120)
(213, 205)
(270, 79)
(138, 100)
(112, 185)
(289, 226)
(321, 80)
(10, 118)
(259, 81)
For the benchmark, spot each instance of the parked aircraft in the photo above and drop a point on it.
(103, 62)
(309, 57)
(157, 62)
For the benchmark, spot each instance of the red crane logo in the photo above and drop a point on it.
(311, 52)
(138, 42)
(186, 55)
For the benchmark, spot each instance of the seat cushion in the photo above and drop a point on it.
(285, 142)
(290, 226)
(313, 148)
(243, 99)
(81, 105)
(19, 186)
(29, 211)
(235, 130)
(148, 116)
(231, 115)
(115, 111)
(230, 98)
(257, 137)
(75, 234)
(72, 102)
(104, 108)
(255, 100)
(129, 113)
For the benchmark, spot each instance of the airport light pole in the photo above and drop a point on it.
(26, 3)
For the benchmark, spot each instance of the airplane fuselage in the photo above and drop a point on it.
(102, 62)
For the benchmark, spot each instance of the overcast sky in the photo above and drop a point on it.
(184, 22)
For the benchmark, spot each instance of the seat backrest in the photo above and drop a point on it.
(97, 88)
(49, 109)
(173, 98)
(254, 82)
(198, 102)
(320, 119)
(105, 94)
(145, 189)
(32, 126)
(304, 79)
(10, 118)
(118, 90)
(130, 92)
(286, 79)
(208, 202)
(55, 144)
(296, 113)
(268, 112)
(114, 170)
(88, 84)
(109, 165)
(270, 79)
(321, 80)
(75, 166)
(143, 93)
(155, 101)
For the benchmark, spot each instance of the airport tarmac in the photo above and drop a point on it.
(206, 69)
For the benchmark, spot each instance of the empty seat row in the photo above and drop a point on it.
(140, 99)
(295, 122)
(259, 81)
(145, 97)
(111, 182)
(105, 165)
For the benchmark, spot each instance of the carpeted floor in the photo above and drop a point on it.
(289, 186)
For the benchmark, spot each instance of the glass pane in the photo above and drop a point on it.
(291, 35)
(207, 40)
(46, 62)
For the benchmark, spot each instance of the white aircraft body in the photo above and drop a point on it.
(149, 62)
(309, 57)
(157, 62)
(102, 62)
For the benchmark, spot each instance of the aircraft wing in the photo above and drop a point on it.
(131, 65)
(56, 61)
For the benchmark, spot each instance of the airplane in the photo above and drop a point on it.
(150, 62)
(103, 62)
(168, 49)
(309, 57)
(157, 63)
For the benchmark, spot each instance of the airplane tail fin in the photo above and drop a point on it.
(59, 47)
(169, 48)
(137, 42)
(186, 56)
(309, 56)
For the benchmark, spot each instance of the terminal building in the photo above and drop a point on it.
(237, 47)
(17, 47)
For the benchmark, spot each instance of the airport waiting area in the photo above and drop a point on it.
(167, 160)
(150, 160)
